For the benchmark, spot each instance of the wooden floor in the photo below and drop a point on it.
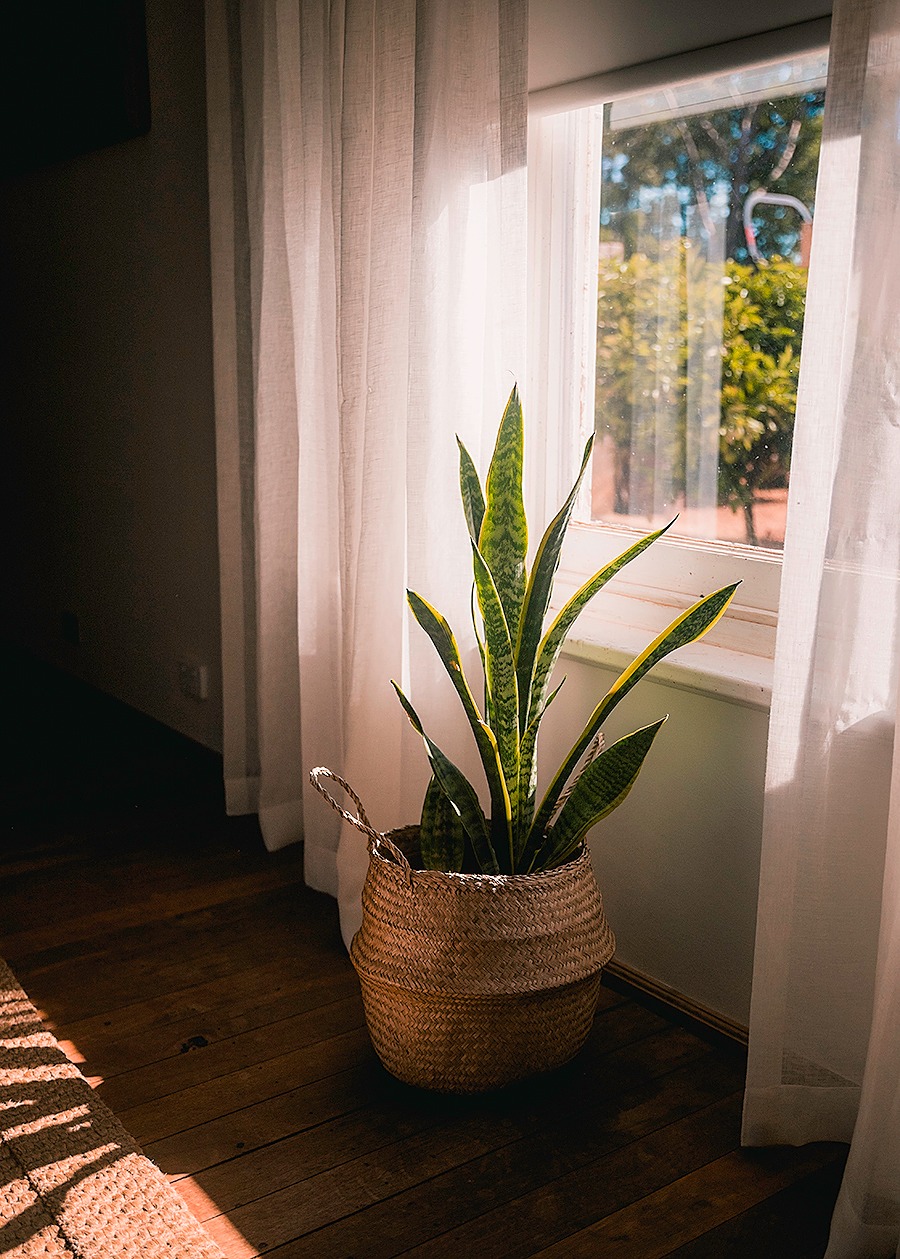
(207, 993)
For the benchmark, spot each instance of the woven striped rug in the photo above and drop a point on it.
(72, 1180)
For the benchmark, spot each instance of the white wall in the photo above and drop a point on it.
(678, 862)
(108, 413)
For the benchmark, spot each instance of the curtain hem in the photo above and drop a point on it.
(797, 1114)
(320, 869)
(241, 796)
(281, 824)
(853, 1238)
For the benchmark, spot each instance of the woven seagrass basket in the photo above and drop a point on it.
(473, 981)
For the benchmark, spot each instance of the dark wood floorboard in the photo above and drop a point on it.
(205, 992)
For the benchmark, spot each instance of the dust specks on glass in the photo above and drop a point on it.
(707, 201)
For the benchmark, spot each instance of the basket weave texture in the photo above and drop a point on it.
(473, 981)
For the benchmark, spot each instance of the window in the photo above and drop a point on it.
(669, 238)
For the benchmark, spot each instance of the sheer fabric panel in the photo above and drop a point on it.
(368, 183)
(824, 1047)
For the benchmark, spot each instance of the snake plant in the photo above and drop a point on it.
(519, 654)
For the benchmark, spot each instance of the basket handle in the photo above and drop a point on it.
(377, 839)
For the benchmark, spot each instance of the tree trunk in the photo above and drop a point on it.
(734, 238)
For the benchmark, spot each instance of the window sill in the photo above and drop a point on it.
(706, 668)
(733, 662)
(716, 671)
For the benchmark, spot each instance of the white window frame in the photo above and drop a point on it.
(565, 133)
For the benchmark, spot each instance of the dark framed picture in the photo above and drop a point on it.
(73, 77)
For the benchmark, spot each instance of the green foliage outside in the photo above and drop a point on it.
(756, 316)
(770, 144)
(663, 312)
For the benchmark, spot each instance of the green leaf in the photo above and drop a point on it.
(440, 633)
(540, 588)
(698, 620)
(488, 710)
(442, 835)
(458, 790)
(501, 681)
(503, 538)
(528, 774)
(687, 628)
(600, 788)
(552, 642)
(470, 489)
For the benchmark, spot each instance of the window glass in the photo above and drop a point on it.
(706, 204)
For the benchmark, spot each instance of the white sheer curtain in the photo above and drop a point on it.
(825, 1018)
(367, 175)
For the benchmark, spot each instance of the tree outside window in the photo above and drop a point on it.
(701, 299)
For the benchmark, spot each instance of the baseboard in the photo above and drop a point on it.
(619, 976)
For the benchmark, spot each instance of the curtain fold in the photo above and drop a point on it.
(367, 186)
(825, 1016)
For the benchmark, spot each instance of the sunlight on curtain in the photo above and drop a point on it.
(825, 1033)
(367, 170)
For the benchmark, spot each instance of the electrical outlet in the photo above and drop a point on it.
(193, 680)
